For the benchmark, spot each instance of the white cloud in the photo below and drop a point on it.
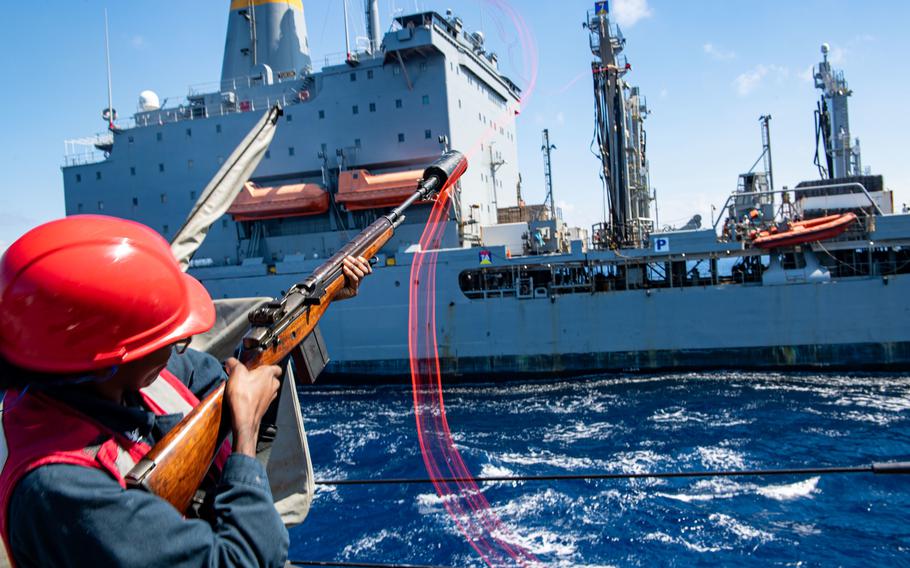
(664, 93)
(837, 55)
(560, 118)
(807, 75)
(747, 82)
(629, 12)
(718, 53)
(138, 42)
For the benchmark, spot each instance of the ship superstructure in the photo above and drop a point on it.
(355, 133)
(519, 292)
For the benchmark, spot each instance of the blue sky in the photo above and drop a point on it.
(709, 69)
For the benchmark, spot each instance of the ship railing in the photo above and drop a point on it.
(243, 82)
(83, 158)
(850, 185)
(82, 151)
(187, 112)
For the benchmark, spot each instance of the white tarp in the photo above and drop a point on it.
(287, 460)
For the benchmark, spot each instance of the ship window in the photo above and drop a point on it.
(79, 208)
(427, 134)
(268, 154)
(163, 198)
(398, 103)
(426, 99)
(224, 223)
(161, 168)
(217, 129)
(132, 170)
(357, 143)
(100, 206)
(164, 229)
(158, 136)
(372, 107)
(290, 150)
(321, 114)
(192, 195)
(369, 74)
(459, 103)
(423, 65)
(353, 77)
(189, 132)
(396, 70)
(355, 109)
(129, 139)
(401, 137)
(78, 178)
(97, 175)
(135, 202)
(189, 164)
(289, 117)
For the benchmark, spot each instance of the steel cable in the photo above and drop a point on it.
(876, 468)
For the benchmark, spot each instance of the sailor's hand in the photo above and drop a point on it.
(248, 395)
(355, 269)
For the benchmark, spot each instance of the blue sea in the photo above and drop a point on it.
(671, 422)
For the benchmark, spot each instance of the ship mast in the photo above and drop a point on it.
(110, 91)
(765, 120)
(833, 122)
(548, 171)
(621, 141)
(373, 33)
(610, 109)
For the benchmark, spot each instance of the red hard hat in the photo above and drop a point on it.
(88, 292)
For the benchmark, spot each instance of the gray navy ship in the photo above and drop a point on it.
(817, 275)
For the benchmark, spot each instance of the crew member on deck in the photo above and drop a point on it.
(95, 319)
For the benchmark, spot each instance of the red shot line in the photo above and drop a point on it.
(463, 500)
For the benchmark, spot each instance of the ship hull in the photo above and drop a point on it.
(847, 323)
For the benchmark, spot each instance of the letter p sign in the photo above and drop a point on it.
(661, 244)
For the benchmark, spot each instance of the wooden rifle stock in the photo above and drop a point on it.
(175, 467)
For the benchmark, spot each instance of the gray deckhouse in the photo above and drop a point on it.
(390, 109)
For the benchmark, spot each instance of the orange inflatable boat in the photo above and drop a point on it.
(806, 231)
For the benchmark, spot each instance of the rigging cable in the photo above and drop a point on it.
(879, 468)
(495, 542)
(462, 499)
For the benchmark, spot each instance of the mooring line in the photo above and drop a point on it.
(882, 468)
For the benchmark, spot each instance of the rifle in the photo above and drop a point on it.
(175, 467)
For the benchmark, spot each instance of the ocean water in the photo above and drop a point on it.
(623, 424)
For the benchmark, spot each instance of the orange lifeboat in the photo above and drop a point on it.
(259, 203)
(806, 231)
(359, 189)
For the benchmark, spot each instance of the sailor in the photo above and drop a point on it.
(95, 320)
